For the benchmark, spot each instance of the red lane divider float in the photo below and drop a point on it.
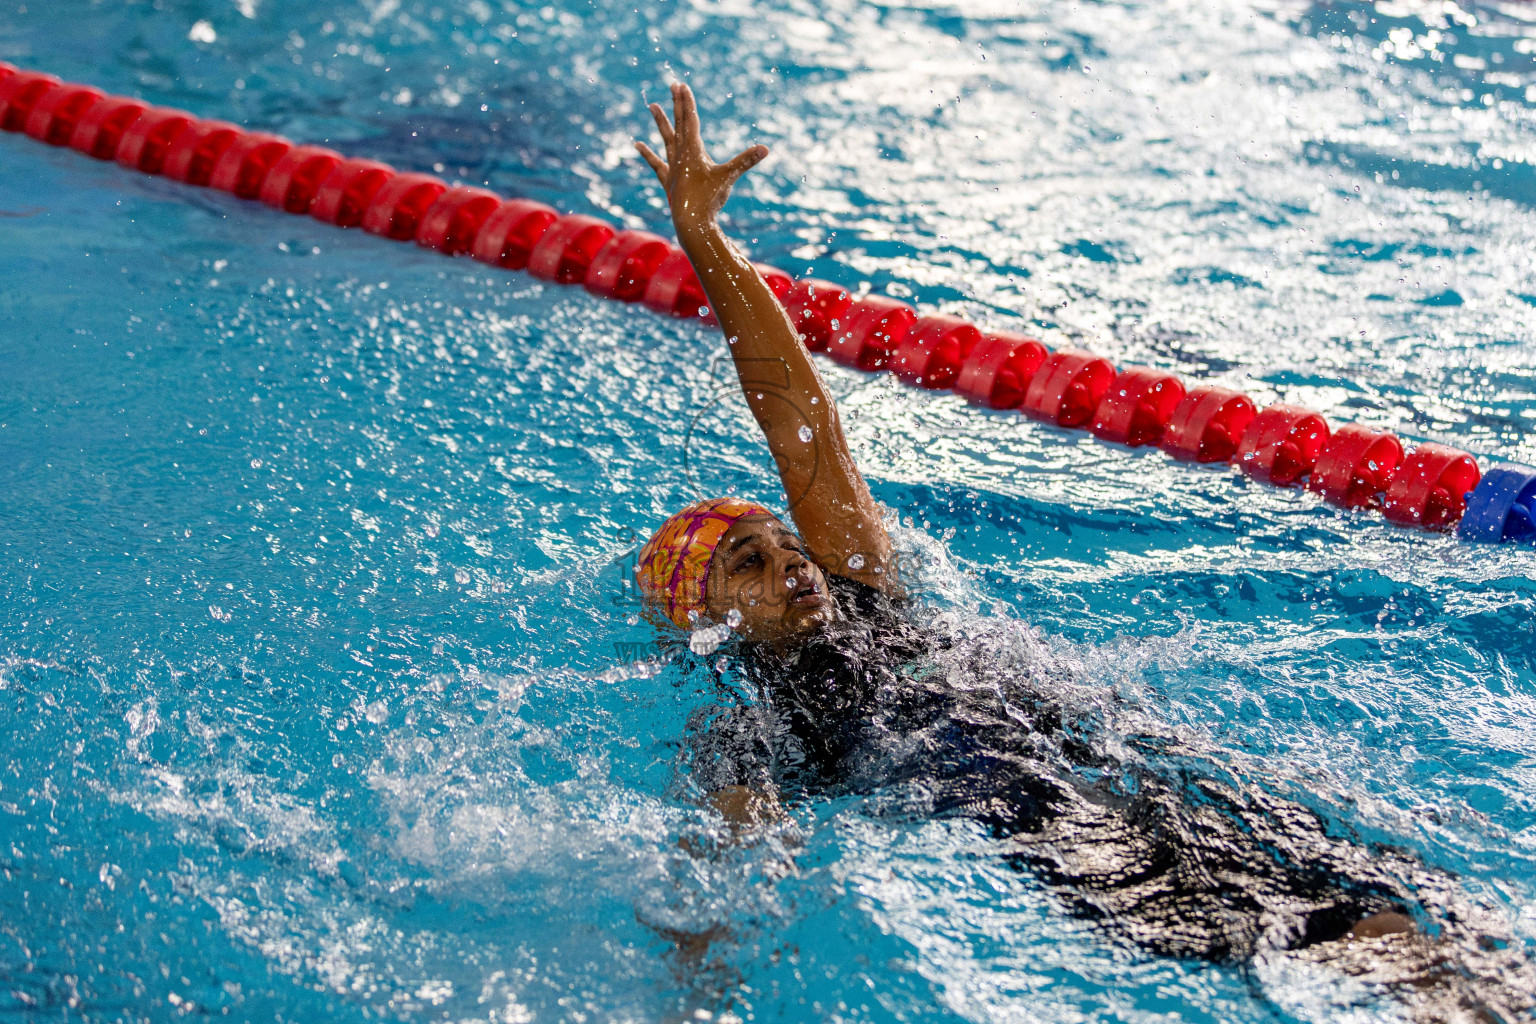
(1282, 444)
(243, 168)
(1431, 487)
(815, 307)
(623, 268)
(931, 353)
(20, 92)
(674, 289)
(1356, 465)
(508, 236)
(1068, 387)
(565, 251)
(997, 372)
(347, 192)
(400, 203)
(101, 126)
(1352, 466)
(147, 141)
(453, 222)
(55, 115)
(1138, 407)
(193, 153)
(293, 181)
(1207, 424)
(865, 336)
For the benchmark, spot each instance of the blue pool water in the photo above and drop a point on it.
(321, 695)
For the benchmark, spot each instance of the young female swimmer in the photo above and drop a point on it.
(723, 556)
(1185, 866)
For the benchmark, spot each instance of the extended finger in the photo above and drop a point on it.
(744, 161)
(657, 163)
(685, 113)
(662, 124)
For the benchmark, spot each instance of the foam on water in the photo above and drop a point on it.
(324, 695)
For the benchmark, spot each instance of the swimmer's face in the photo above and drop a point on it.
(761, 570)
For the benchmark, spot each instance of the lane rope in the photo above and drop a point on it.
(1431, 486)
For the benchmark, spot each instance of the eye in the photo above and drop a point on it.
(753, 559)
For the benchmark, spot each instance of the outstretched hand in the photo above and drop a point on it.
(833, 508)
(697, 187)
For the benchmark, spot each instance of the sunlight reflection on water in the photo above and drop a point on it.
(420, 762)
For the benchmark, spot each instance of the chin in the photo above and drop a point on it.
(809, 619)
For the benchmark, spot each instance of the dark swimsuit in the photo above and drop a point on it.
(1178, 861)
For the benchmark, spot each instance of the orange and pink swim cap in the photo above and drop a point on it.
(673, 567)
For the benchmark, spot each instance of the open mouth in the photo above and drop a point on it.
(808, 596)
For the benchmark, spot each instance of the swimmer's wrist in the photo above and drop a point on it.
(694, 226)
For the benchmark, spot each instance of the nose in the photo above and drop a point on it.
(792, 563)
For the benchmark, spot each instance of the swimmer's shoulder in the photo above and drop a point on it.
(862, 603)
(886, 622)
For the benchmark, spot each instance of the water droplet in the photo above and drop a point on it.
(805, 433)
(432, 530)
(703, 311)
(437, 648)
(255, 463)
(708, 639)
(497, 586)
(461, 575)
(790, 583)
(633, 619)
(693, 615)
(733, 618)
(855, 562)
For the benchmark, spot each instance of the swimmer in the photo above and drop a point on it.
(729, 558)
(1180, 863)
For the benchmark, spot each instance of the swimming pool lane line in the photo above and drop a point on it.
(1432, 486)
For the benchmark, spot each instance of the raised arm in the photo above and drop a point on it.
(828, 499)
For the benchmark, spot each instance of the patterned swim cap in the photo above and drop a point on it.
(674, 564)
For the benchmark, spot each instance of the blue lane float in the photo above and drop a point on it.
(1501, 508)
